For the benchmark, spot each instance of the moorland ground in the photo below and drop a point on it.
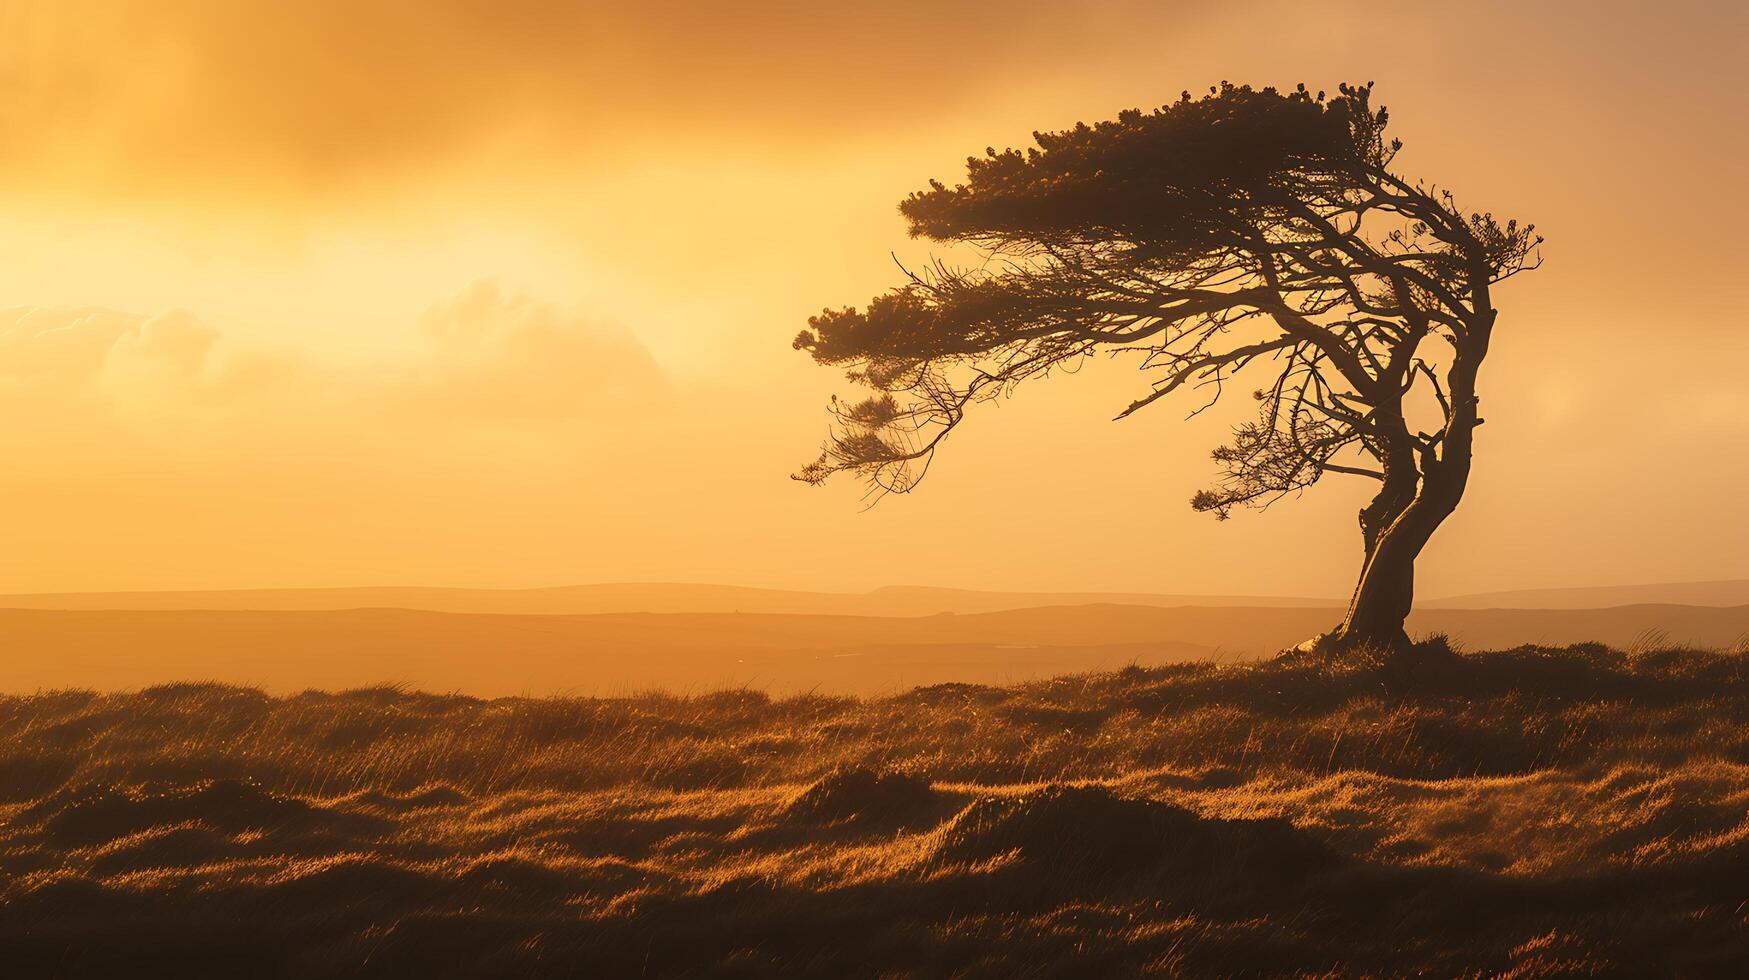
(1536, 812)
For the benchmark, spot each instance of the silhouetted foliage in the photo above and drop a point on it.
(1244, 227)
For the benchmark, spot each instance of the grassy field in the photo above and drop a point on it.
(1532, 813)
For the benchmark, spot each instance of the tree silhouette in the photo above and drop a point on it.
(1240, 229)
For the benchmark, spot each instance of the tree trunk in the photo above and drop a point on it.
(1399, 522)
(1386, 588)
(1386, 591)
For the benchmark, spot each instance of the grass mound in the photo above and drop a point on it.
(164, 847)
(1061, 829)
(863, 795)
(101, 814)
(1071, 831)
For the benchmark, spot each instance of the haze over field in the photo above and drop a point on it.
(615, 638)
(629, 597)
(499, 654)
(667, 597)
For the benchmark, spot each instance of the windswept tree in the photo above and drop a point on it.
(1246, 231)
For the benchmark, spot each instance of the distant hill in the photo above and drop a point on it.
(615, 653)
(1731, 592)
(659, 597)
(630, 597)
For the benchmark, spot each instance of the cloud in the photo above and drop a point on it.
(165, 449)
(502, 357)
(213, 95)
(486, 358)
(61, 345)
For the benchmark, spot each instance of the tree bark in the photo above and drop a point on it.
(1386, 591)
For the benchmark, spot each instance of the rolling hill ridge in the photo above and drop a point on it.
(614, 653)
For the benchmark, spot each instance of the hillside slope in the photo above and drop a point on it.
(630, 597)
(1541, 813)
(1731, 592)
(667, 597)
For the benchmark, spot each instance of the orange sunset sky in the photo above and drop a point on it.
(501, 294)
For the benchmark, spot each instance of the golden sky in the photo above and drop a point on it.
(501, 293)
